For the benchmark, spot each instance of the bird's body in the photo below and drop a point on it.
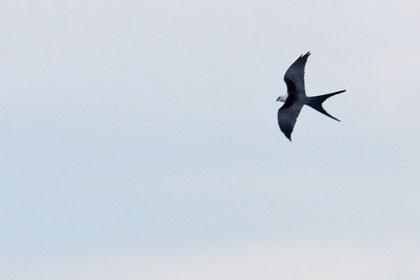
(296, 98)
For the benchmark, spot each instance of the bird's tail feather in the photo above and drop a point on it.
(316, 102)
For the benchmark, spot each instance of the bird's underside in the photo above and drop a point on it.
(296, 97)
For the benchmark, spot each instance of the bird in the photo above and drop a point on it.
(296, 98)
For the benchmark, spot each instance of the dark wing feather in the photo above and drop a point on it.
(287, 116)
(294, 77)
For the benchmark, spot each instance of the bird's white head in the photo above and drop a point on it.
(283, 97)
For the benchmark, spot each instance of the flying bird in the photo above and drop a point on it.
(296, 98)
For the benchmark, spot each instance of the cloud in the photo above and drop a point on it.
(292, 261)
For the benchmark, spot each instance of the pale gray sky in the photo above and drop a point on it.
(145, 132)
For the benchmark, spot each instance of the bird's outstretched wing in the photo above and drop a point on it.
(287, 116)
(294, 77)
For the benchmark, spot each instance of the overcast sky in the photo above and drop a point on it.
(139, 140)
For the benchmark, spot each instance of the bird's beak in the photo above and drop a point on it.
(278, 98)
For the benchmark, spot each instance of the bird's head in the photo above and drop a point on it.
(282, 98)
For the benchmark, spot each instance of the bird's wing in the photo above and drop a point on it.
(294, 76)
(287, 116)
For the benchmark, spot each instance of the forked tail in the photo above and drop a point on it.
(316, 102)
